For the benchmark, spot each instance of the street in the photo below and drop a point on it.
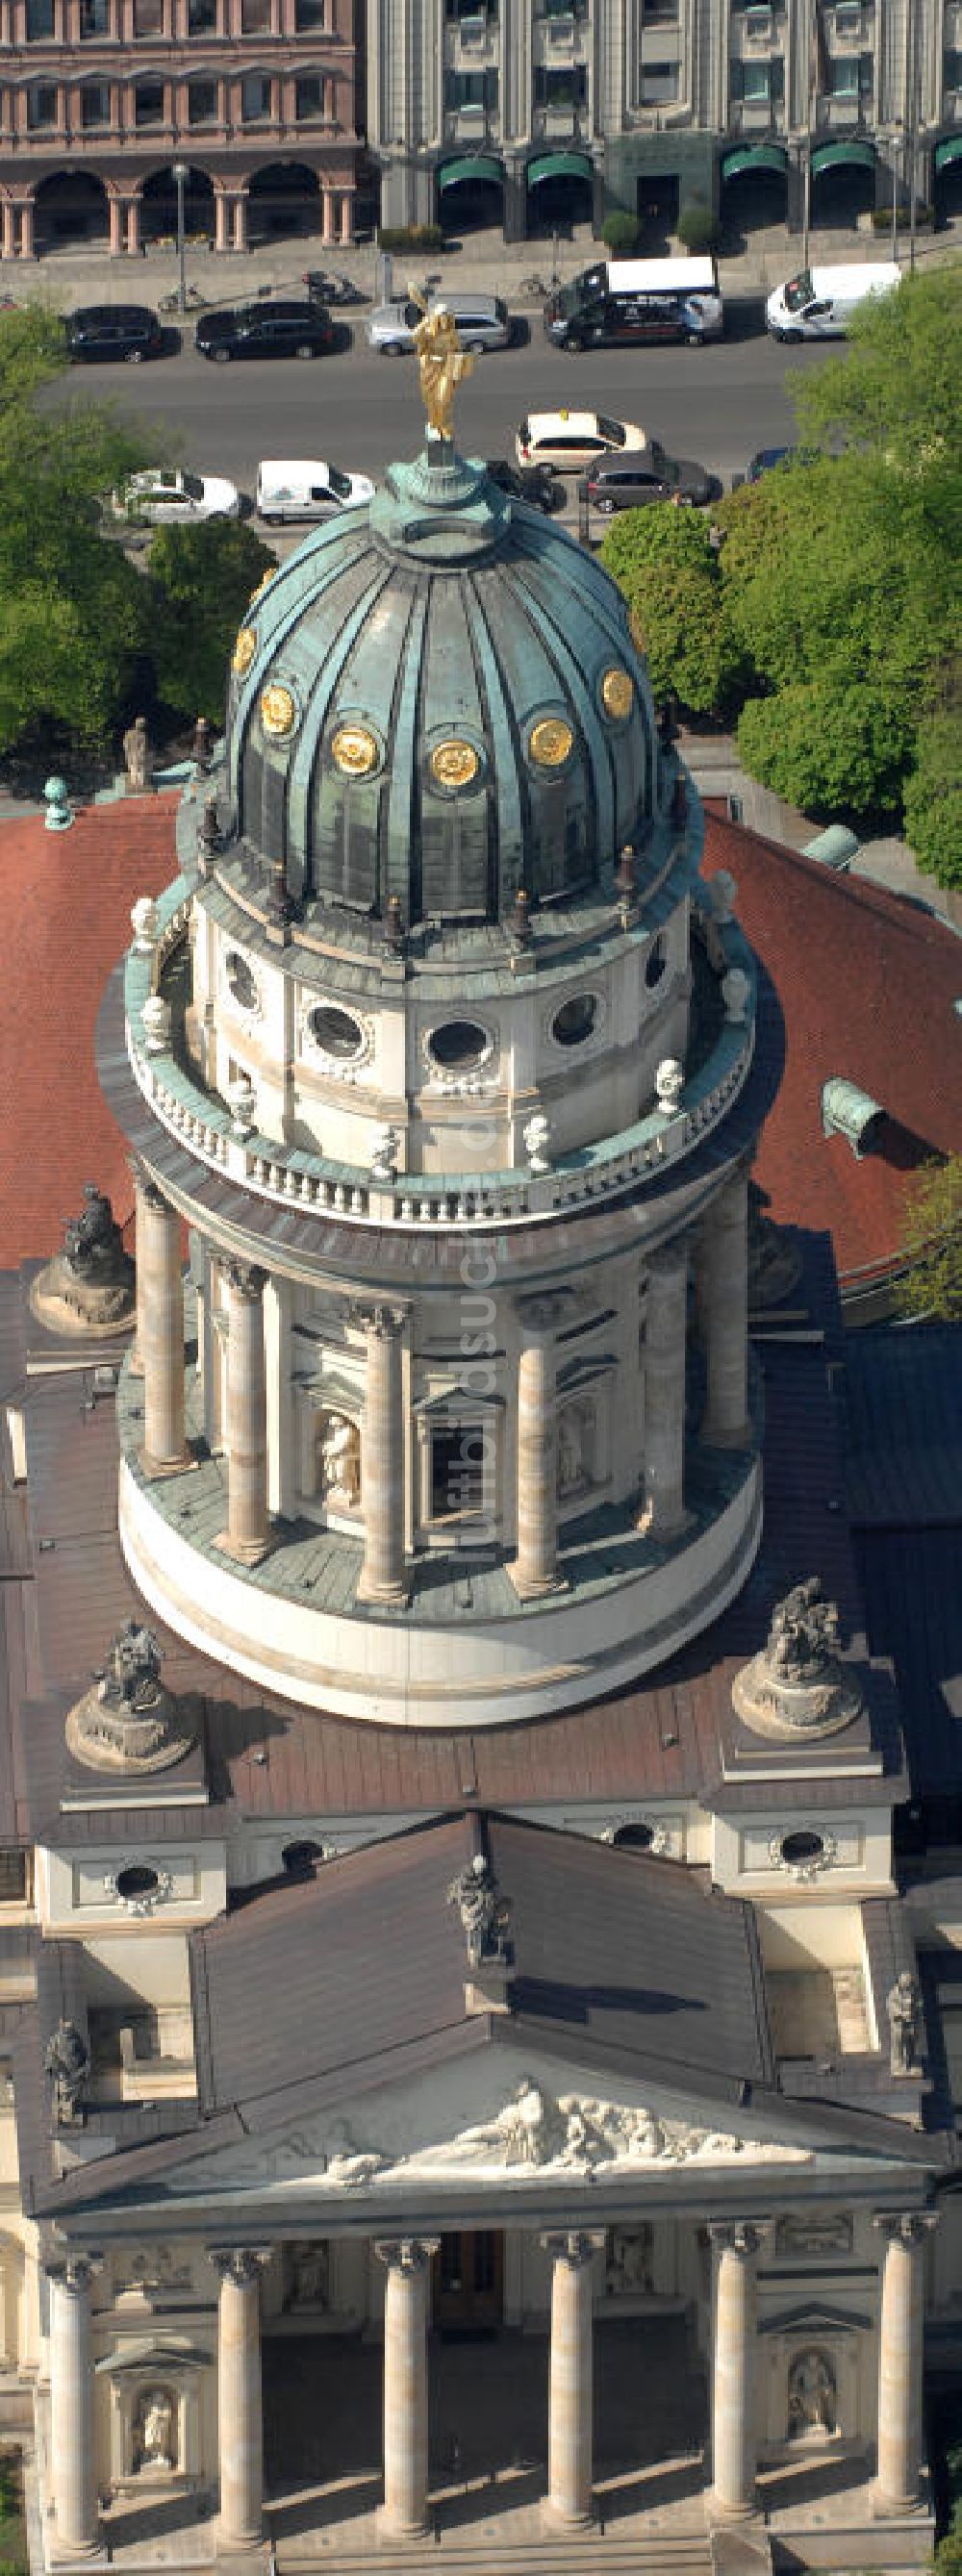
(715, 404)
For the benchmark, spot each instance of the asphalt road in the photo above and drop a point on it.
(715, 404)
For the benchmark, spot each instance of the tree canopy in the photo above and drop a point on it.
(932, 1245)
(73, 611)
(202, 579)
(830, 616)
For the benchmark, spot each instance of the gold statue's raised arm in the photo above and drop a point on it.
(442, 366)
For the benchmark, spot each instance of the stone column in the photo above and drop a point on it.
(734, 2444)
(535, 1568)
(248, 1533)
(900, 2361)
(382, 1575)
(663, 1511)
(221, 217)
(570, 2379)
(240, 2423)
(723, 1276)
(328, 228)
(347, 217)
(406, 2384)
(73, 2460)
(116, 217)
(133, 228)
(160, 1330)
(239, 215)
(8, 236)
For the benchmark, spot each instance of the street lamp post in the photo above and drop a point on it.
(180, 181)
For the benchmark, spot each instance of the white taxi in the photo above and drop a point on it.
(571, 442)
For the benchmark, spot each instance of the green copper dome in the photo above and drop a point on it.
(437, 699)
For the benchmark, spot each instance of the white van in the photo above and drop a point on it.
(623, 303)
(302, 488)
(819, 302)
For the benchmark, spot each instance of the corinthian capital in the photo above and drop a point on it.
(246, 1280)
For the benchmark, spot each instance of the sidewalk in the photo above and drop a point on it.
(71, 277)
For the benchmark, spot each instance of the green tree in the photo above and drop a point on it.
(698, 228)
(828, 745)
(664, 562)
(932, 1246)
(896, 389)
(202, 579)
(73, 611)
(933, 789)
(620, 233)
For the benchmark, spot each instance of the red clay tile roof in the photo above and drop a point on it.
(866, 983)
(67, 920)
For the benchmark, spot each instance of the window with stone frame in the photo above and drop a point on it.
(148, 18)
(94, 105)
(257, 98)
(203, 102)
(759, 84)
(459, 1457)
(39, 27)
(953, 71)
(255, 17)
(42, 106)
(201, 17)
(311, 99)
(310, 17)
(148, 104)
(94, 20)
(560, 84)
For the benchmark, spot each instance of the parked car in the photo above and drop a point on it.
(104, 331)
(572, 442)
(650, 474)
(278, 330)
(531, 483)
(301, 488)
(766, 459)
(162, 497)
(483, 323)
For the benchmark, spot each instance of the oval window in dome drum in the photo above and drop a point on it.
(336, 1031)
(241, 983)
(458, 1044)
(575, 1020)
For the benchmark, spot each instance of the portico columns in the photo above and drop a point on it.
(570, 2379)
(900, 2361)
(160, 1330)
(535, 1568)
(240, 2431)
(248, 1534)
(723, 1274)
(73, 2464)
(663, 1509)
(406, 2384)
(382, 1456)
(734, 2444)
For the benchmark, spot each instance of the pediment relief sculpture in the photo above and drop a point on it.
(566, 2134)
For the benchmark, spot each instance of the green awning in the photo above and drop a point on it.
(836, 156)
(949, 151)
(755, 156)
(557, 165)
(457, 174)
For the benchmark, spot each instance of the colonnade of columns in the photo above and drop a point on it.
(125, 212)
(722, 1271)
(734, 2435)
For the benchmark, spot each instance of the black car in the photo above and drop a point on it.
(532, 483)
(129, 331)
(647, 473)
(265, 331)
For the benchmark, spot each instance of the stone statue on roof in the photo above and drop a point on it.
(799, 1684)
(803, 1636)
(903, 2005)
(93, 1245)
(67, 2063)
(484, 1914)
(129, 1674)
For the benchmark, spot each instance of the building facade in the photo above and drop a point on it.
(451, 1904)
(100, 100)
(534, 114)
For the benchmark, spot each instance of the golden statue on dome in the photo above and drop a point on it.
(443, 364)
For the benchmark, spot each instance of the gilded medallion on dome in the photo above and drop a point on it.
(617, 694)
(454, 763)
(244, 650)
(278, 710)
(355, 750)
(550, 742)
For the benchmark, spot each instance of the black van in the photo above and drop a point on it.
(129, 331)
(265, 331)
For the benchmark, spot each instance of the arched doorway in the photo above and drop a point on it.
(843, 183)
(284, 202)
(471, 193)
(158, 207)
(754, 189)
(70, 207)
(559, 190)
(948, 178)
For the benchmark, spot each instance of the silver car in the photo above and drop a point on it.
(483, 323)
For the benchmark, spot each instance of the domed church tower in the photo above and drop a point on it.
(444, 1053)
